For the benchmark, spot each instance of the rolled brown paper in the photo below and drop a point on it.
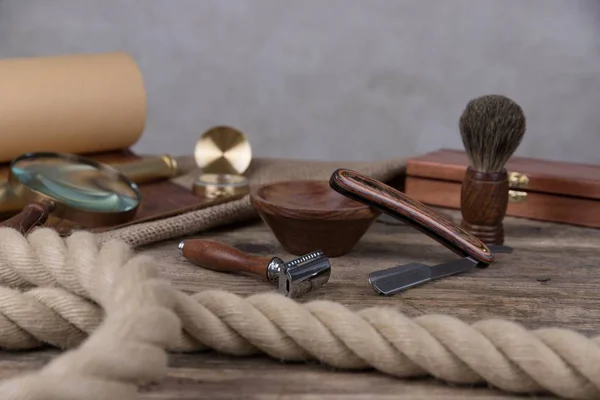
(484, 200)
(71, 103)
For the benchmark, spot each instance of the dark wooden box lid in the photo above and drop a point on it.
(554, 177)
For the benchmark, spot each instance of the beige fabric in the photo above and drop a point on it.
(261, 171)
(145, 316)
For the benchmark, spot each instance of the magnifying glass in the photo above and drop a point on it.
(70, 187)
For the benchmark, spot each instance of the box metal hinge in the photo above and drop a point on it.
(517, 180)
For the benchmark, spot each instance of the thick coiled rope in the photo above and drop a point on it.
(126, 349)
(65, 282)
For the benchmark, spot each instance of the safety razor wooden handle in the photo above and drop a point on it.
(219, 256)
(395, 203)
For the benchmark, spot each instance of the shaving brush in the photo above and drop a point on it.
(491, 128)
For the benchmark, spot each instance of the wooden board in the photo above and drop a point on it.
(551, 279)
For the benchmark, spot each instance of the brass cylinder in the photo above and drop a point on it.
(148, 169)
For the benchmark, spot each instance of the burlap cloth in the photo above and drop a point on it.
(261, 171)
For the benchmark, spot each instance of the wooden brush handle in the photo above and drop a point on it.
(219, 256)
(393, 202)
(32, 215)
(483, 204)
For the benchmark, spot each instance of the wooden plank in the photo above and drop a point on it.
(551, 279)
(214, 377)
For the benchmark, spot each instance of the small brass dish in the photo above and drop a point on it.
(214, 186)
(307, 215)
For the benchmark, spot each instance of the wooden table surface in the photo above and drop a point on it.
(551, 279)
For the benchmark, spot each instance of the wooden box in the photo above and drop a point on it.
(541, 190)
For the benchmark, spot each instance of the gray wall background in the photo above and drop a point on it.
(337, 79)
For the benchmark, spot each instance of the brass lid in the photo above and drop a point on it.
(220, 185)
(223, 150)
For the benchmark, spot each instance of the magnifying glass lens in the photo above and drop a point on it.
(77, 184)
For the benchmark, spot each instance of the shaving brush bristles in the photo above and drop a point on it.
(491, 128)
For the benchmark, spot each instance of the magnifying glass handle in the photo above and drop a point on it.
(32, 215)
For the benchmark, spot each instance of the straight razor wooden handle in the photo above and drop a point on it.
(395, 203)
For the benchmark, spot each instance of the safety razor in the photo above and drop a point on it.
(294, 278)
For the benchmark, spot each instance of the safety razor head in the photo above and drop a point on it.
(304, 274)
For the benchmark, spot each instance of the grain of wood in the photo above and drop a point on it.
(550, 279)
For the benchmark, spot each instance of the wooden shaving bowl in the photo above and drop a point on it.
(308, 215)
